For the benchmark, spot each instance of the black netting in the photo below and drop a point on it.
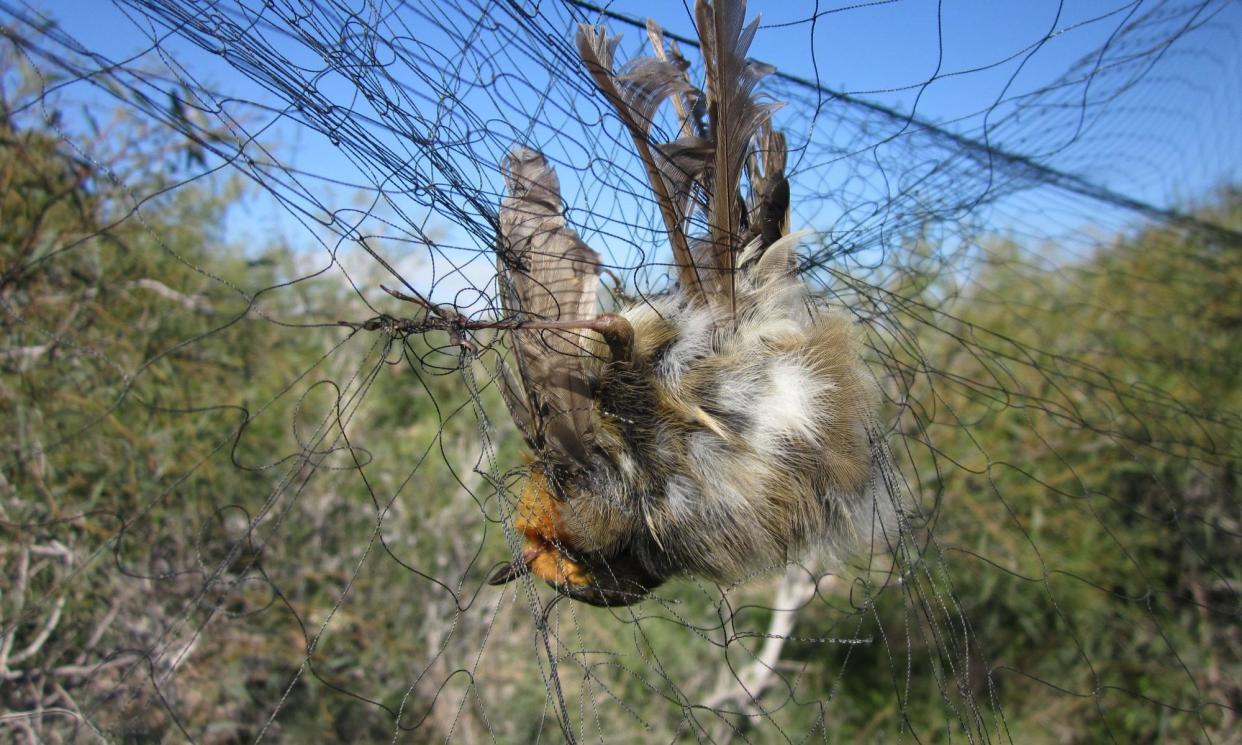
(248, 494)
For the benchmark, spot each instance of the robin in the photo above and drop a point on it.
(714, 430)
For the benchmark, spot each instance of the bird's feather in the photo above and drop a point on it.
(734, 118)
(718, 426)
(549, 275)
(636, 93)
(684, 163)
(768, 205)
(722, 128)
(691, 111)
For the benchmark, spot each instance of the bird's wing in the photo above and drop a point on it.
(547, 274)
(724, 170)
(725, 143)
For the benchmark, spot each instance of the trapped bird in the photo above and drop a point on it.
(714, 430)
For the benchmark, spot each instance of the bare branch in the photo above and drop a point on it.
(741, 692)
(44, 633)
(195, 303)
(24, 355)
(73, 671)
(104, 624)
(20, 719)
(19, 592)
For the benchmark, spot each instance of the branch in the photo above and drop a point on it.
(72, 671)
(740, 692)
(44, 633)
(24, 354)
(19, 592)
(196, 303)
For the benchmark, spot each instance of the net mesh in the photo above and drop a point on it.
(248, 495)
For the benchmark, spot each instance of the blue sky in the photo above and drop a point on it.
(977, 52)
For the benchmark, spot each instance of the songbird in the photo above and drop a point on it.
(714, 430)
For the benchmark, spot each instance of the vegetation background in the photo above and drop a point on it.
(227, 517)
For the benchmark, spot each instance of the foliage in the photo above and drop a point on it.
(1085, 458)
(219, 507)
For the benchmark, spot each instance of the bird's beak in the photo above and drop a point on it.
(514, 569)
(507, 573)
(538, 559)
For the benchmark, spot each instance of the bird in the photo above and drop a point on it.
(714, 430)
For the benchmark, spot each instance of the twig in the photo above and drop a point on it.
(55, 548)
(99, 631)
(41, 638)
(19, 592)
(21, 716)
(418, 299)
(24, 354)
(74, 706)
(742, 691)
(449, 318)
(195, 303)
(71, 671)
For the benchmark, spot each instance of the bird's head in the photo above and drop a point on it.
(550, 551)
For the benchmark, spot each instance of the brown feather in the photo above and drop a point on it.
(734, 118)
(682, 164)
(720, 426)
(768, 204)
(636, 95)
(553, 276)
(689, 103)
